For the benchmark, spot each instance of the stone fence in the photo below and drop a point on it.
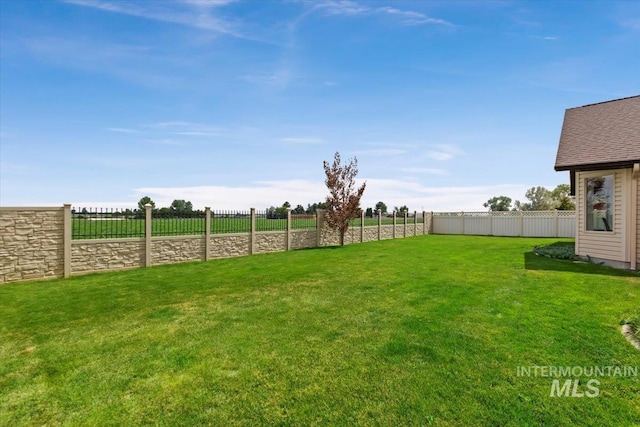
(36, 243)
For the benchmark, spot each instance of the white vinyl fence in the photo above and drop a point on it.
(520, 223)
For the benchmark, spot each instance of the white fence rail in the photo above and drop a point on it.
(520, 223)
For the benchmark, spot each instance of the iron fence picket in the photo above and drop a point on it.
(223, 222)
(105, 223)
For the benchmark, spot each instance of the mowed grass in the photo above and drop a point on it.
(428, 330)
(118, 227)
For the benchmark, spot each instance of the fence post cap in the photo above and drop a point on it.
(148, 205)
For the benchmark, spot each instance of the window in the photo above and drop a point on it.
(599, 203)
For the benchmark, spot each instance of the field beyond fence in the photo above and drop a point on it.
(104, 223)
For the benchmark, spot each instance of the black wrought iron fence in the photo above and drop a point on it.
(104, 223)
(303, 221)
(168, 222)
(230, 222)
(101, 223)
(269, 221)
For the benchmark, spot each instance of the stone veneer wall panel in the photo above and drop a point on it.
(329, 237)
(106, 254)
(370, 234)
(229, 245)
(168, 250)
(303, 239)
(351, 236)
(275, 241)
(386, 232)
(31, 243)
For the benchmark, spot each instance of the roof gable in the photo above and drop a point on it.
(600, 135)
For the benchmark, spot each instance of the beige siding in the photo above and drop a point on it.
(637, 220)
(598, 244)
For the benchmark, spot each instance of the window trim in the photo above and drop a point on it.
(612, 203)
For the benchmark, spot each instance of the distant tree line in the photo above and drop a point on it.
(184, 208)
(382, 207)
(281, 212)
(540, 199)
(179, 208)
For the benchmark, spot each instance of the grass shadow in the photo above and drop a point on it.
(532, 261)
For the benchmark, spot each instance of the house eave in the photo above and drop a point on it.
(597, 166)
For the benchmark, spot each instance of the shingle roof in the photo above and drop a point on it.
(604, 134)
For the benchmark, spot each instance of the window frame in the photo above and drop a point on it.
(610, 202)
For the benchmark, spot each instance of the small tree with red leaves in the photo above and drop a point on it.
(343, 201)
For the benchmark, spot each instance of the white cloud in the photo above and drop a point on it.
(176, 123)
(439, 155)
(157, 11)
(548, 38)
(262, 194)
(352, 8)
(6, 167)
(418, 196)
(632, 24)
(208, 3)
(280, 77)
(82, 51)
(341, 7)
(165, 142)
(301, 141)
(197, 133)
(409, 17)
(443, 152)
(182, 128)
(122, 130)
(126, 62)
(429, 171)
(381, 152)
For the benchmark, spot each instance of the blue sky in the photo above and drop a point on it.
(235, 104)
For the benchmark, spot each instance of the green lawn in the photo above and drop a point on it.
(122, 228)
(119, 227)
(428, 330)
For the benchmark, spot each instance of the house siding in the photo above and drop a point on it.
(636, 184)
(604, 245)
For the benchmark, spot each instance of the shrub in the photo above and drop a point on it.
(559, 250)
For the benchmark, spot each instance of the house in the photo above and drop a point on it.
(600, 147)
